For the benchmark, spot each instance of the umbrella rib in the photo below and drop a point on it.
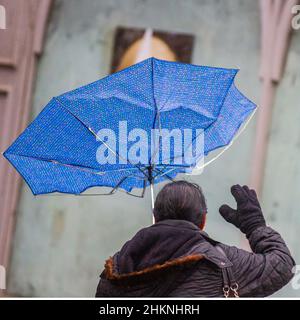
(88, 170)
(158, 110)
(176, 157)
(117, 186)
(135, 195)
(113, 191)
(94, 133)
(221, 152)
(241, 130)
(157, 116)
(157, 148)
(76, 167)
(162, 173)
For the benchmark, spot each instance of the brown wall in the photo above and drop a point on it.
(20, 45)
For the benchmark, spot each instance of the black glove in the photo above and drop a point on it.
(248, 215)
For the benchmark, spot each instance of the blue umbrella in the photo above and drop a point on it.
(60, 150)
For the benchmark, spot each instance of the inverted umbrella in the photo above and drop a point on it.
(60, 150)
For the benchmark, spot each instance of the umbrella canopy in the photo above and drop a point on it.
(101, 134)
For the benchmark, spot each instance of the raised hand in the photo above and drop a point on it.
(248, 215)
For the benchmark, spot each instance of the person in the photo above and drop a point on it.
(175, 258)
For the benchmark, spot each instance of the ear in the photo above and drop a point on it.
(202, 224)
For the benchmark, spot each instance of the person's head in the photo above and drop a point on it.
(181, 200)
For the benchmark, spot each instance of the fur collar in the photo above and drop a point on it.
(111, 274)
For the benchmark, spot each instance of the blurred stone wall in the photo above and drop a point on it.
(61, 242)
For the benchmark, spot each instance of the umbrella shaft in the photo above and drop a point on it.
(152, 196)
(152, 201)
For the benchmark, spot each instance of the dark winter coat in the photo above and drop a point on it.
(174, 258)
